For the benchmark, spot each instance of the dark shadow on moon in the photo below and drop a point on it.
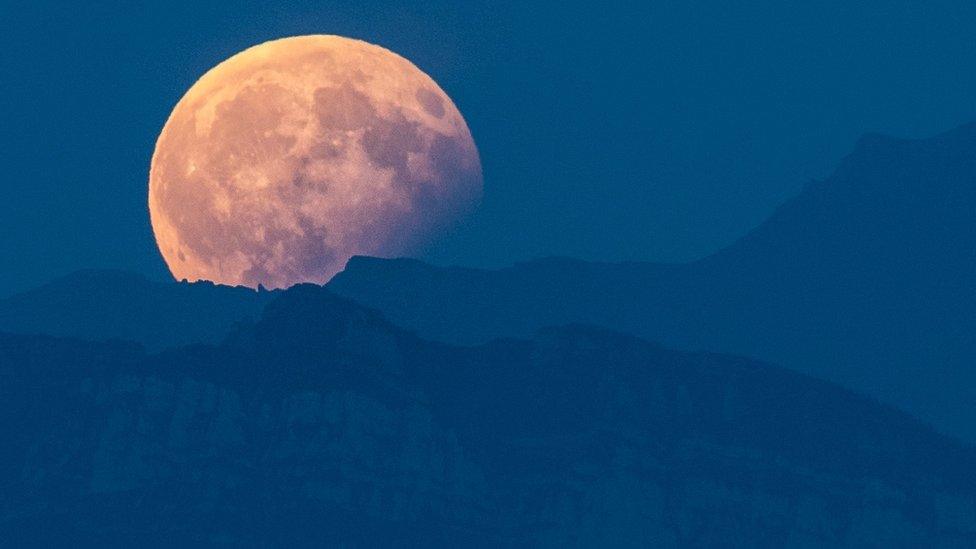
(431, 102)
(288, 182)
(342, 108)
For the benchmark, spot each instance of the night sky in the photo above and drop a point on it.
(660, 132)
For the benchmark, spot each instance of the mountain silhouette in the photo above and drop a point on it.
(103, 304)
(867, 278)
(321, 422)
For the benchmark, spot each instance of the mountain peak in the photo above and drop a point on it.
(864, 278)
(308, 325)
(309, 308)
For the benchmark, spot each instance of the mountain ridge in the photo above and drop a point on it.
(864, 278)
(114, 304)
(353, 430)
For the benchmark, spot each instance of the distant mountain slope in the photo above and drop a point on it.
(323, 423)
(867, 278)
(120, 305)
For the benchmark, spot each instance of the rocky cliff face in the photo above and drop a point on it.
(323, 423)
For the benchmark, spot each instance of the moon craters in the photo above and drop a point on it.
(431, 102)
(292, 156)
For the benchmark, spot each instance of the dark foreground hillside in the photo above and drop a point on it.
(323, 423)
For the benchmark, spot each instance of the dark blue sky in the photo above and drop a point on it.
(657, 132)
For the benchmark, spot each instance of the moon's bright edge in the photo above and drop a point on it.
(292, 156)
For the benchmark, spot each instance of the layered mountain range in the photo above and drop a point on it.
(867, 278)
(411, 404)
(321, 422)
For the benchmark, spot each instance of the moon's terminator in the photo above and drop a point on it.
(288, 158)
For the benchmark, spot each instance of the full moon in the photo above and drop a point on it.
(290, 157)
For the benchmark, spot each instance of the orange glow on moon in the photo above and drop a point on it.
(292, 156)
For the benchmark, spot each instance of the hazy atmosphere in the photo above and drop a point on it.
(460, 274)
(689, 121)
